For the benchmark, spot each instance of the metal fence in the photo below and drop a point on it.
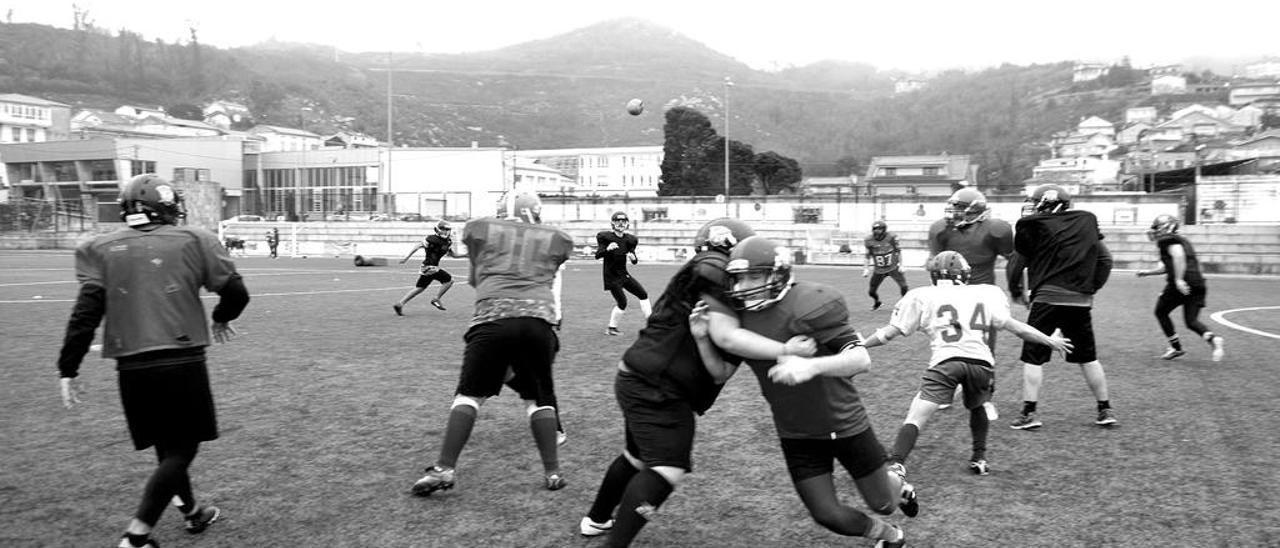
(40, 215)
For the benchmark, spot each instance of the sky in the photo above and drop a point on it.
(918, 36)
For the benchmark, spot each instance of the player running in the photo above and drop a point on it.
(616, 247)
(1184, 286)
(434, 247)
(959, 319)
(884, 255)
(515, 270)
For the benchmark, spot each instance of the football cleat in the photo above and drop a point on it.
(1106, 417)
(876, 305)
(399, 308)
(1026, 421)
(1171, 353)
(436, 303)
(910, 505)
(124, 543)
(201, 519)
(561, 437)
(612, 331)
(899, 469)
(979, 467)
(555, 481)
(902, 540)
(436, 479)
(1218, 350)
(590, 528)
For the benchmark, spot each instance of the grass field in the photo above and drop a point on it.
(330, 406)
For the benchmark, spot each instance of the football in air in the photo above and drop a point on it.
(635, 107)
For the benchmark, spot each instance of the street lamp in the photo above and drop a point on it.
(728, 83)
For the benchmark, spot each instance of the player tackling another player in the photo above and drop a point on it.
(959, 320)
(1184, 286)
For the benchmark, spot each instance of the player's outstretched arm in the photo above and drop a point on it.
(411, 252)
(1031, 334)
(727, 334)
(699, 327)
(882, 336)
(850, 361)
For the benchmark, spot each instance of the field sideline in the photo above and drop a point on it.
(330, 406)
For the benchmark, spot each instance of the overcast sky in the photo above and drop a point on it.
(905, 34)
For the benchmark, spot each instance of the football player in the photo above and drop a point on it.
(665, 379)
(515, 270)
(969, 230)
(959, 319)
(817, 412)
(145, 281)
(1184, 286)
(1061, 251)
(884, 255)
(616, 247)
(434, 247)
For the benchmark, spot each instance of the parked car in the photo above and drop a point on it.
(240, 218)
(413, 218)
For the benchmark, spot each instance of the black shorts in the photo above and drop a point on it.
(441, 276)
(878, 277)
(977, 377)
(659, 429)
(1076, 323)
(527, 346)
(860, 454)
(168, 403)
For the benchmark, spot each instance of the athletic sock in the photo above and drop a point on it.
(1104, 404)
(979, 426)
(543, 425)
(1175, 343)
(645, 493)
(879, 529)
(614, 484)
(646, 308)
(462, 418)
(138, 540)
(1208, 337)
(615, 315)
(1028, 407)
(906, 440)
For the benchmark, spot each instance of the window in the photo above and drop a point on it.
(889, 171)
(17, 135)
(655, 213)
(190, 174)
(931, 171)
(31, 135)
(64, 171)
(102, 170)
(807, 214)
(138, 167)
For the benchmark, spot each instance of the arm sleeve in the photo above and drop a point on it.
(1103, 270)
(218, 266)
(87, 313)
(906, 315)
(234, 297)
(935, 237)
(601, 244)
(1013, 272)
(1004, 240)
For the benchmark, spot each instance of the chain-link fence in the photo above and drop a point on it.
(39, 215)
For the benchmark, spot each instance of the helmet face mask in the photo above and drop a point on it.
(967, 206)
(619, 221)
(444, 229)
(721, 234)
(1162, 226)
(520, 205)
(879, 229)
(1047, 199)
(760, 273)
(950, 266)
(147, 199)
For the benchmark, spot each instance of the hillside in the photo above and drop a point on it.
(568, 91)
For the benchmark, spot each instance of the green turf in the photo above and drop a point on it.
(330, 406)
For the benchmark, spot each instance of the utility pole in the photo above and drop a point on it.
(386, 173)
(728, 83)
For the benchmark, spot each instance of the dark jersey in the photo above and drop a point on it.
(1064, 250)
(434, 248)
(884, 252)
(979, 243)
(614, 270)
(1192, 273)
(825, 407)
(152, 280)
(513, 267)
(665, 353)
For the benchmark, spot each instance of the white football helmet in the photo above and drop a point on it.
(520, 205)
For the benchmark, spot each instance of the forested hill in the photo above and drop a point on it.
(569, 91)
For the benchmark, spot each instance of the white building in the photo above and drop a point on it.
(1168, 84)
(614, 171)
(1092, 174)
(27, 119)
(286, 139)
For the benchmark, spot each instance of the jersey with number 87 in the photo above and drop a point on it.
(961, 320)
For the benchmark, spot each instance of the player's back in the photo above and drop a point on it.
(960, 320)
(513, 259)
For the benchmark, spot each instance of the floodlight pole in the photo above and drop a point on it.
(728, 83)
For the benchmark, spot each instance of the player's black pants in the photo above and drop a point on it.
(631, 285)
(170, 478)
(1191, 305)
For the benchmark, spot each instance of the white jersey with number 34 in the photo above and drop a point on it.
(961, 320)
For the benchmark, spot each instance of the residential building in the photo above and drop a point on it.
(1085, 72)
(1085, 174)
(27, 119)
(829, 186)
(1243, 94)
(1166, 70)
(1201, 124)
(1140, 114)
(1077, 145)
(1269, 68)
(223, 113)
(92, 123)
(907, 85)
(285, 139)
(541, 178)
(140, 112)
(350, 139)
(1168, 84)
(612, 171)
(1094, 125)
(1132, 133)
(934, 175)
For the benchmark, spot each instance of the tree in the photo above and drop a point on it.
(847, 165)
(776, 172)
(687, 138)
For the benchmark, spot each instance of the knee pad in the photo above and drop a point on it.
(468, 401)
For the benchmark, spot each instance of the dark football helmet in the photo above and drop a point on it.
(1163, 225)
(879, 229)
(948, 265)
(148, 198)
(967, 206)
(444, 229)
(520, 205)
(1047, 199)
(759, 272)
(620, 221)
(722, 234)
